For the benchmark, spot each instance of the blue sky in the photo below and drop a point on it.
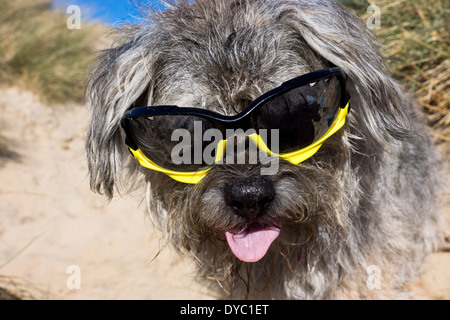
(108, 11)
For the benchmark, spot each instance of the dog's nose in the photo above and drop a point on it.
(249, 197)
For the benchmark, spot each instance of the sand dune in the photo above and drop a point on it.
(54, 231)
(51, 220)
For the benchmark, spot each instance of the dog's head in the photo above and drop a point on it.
(221, 55)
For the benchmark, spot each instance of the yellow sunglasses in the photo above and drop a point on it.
(301, 114)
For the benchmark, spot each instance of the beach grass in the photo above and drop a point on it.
(40, 53)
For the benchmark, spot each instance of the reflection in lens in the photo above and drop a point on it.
(302, 115)
(171, 141)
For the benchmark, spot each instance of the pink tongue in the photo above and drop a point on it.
(251, 246)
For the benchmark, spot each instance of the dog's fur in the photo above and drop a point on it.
(369, 197)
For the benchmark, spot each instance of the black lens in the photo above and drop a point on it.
(300, 116)
(173, 142)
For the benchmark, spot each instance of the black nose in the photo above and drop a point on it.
(250, 197)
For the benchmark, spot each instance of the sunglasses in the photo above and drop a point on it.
(296, 119)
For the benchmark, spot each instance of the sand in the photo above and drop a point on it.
(59, 240)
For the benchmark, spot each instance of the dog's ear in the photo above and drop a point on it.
(336, 34)
(121, 76)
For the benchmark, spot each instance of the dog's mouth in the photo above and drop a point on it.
(252, 244)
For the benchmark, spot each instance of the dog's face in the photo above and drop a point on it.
(235, 208)
(222, 55)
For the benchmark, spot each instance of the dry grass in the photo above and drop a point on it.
(39, 52)
(13, 288)
(416, 39)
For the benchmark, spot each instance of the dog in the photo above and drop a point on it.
(351, 207)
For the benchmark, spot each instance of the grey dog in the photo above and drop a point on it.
(355, 220)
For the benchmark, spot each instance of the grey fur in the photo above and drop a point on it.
(370, 196)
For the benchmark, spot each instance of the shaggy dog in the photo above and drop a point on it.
(353, 220)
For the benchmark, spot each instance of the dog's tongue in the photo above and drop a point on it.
(252, 245)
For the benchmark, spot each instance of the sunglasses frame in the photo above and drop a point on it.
(239, 120)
